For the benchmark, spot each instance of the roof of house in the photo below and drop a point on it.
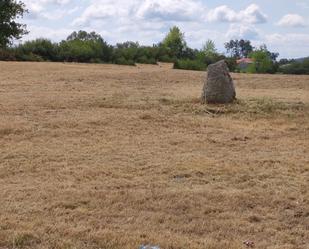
(245, 60)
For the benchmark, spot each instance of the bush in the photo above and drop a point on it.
(96, 61)
(264, 61)
(167, 59)
(29, 57)
(40, 48)
(85, 47)
(295, 68)
(213, 59)
(190, 65)
(76, 51)
(7, 55)
(124, 61)
(90, 47)
(145, 60)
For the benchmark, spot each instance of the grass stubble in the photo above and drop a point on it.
(103, 156)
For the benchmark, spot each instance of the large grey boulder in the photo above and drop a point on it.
(219, 86)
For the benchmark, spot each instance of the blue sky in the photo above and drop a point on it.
(281, 24)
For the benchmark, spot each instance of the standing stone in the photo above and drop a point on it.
(219, 87)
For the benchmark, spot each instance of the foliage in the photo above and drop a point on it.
(199, 59)
(213, 58)
(42, 48)
(90, 47)
(84, 36)
(10, 29)
(231, 63)
(84, 47)
(188, 64)
(7, 55)
(239, 48)
(272, 56)
(77, 51)
(285, 62)
(124, 61)
(129, 53)
(264, 61)
(301, 67)
(209, 48)
(175, 42)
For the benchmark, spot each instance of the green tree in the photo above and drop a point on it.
(239, 48)
(262, 62)
(85, 47)
(127, 44)
(245, 48)
(209, 53)
(126, 53)
(44, 48)
(175, 42)
(272, 55)
(84, 36)
(209, 48)
(11, 10)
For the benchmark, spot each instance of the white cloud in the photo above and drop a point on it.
(159, 10)
(292, 20)
(73, 10)
(137, 17)
(252, 14)
(44, 2)
(148, 21)
(37, 7)
(290, 45)
(303, 5)
(171, 10)
(295, 38)
(243, 31)
(222, 14)
(103, 9)
(49, 33)
(196, 37)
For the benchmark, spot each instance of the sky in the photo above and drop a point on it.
(283, 25)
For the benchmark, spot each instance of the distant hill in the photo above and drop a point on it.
(301, 59)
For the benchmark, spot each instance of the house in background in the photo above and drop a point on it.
(244, 63)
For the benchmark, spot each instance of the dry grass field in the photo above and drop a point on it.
(113, 157)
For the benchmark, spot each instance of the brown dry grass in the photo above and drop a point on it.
(102, 156)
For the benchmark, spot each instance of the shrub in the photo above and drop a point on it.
(85, 47)
(42, 48)
(29, 57)
(124, 61)
(231, 63)
(7, 55)
(264, 61)
(190, 65)
(96, 61)
(213, 59)
(145, 60)
(295, 68)
(168, 59)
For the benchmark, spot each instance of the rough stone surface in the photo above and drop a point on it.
(219, 86)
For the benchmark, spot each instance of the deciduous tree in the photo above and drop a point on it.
(175, 41)
(10, 28)
(239, 48)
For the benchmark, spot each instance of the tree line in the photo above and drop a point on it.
(90, 47)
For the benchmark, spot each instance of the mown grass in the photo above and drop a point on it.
(249, 108)
(116, 157)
